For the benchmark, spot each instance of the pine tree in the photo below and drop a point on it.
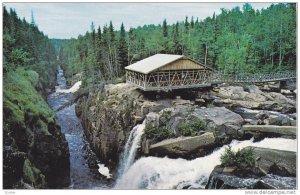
(122, 49)
(165, 28)
(192, 22)
(176, 39)
(93, 34)
(186, 25)
(32, 19)
(113, 50)
(165, 37)
(99, 69)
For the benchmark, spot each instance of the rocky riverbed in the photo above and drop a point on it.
(223, 114)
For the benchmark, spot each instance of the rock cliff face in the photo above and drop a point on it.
(109, 114)
(35, 152)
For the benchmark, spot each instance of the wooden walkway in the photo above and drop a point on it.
(256, 78)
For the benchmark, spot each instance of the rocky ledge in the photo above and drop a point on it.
(109, 113)
(184, 147)
(274, 169)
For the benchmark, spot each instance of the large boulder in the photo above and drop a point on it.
(265, 117)
(221, 120)
(227, 178)
(152, 119)
(252, 98)
(274, 169)
(278, 162)
(278, 102)
(253, 89)
(185, 147)
(270, 131)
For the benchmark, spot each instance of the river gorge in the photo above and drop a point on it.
(123, 159)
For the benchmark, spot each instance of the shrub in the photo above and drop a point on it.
(191, 127)
(166, 114)
(239, 158)
(157, 134)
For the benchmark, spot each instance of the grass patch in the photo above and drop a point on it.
(239, 158)
(192, 127)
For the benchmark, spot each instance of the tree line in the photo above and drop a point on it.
(235, 41)
(25, 46)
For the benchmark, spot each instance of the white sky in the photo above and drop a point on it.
(66, 20)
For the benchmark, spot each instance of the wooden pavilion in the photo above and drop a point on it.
(165, 72)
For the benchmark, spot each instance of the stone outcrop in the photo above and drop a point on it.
(277, 162)
(223, 122)
(185, 147)
(274, 169)
(109, 114)
(270, 130)
(265, 117)
(253, 98)
(226, 178)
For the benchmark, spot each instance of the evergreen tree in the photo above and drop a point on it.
(32, 19)
(165, 28)
(122, 49)
(165, 43)
(186, 25)
(93, 34)
(192, 22)
(177, 49)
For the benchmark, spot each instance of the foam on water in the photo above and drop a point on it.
(166, 173)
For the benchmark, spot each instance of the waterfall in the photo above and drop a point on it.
(131, 146)
(166, 173)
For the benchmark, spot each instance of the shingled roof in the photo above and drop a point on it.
(152, 63)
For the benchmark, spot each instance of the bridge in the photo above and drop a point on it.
(167, 72)
(255, 78)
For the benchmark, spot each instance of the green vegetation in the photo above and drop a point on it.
(27, 47)
(191, 127)
(29, 64)
(239, 158)
(166, 114)
(22, 103)
(157, 134)
(32, 175)
(236, 40)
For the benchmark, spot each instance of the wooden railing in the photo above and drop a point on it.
(168, 80)
(256, 78)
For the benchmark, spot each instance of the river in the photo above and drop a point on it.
(83, 162)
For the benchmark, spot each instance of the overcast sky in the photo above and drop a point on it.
(66, 20)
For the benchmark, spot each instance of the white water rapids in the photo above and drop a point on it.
(166, 173)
